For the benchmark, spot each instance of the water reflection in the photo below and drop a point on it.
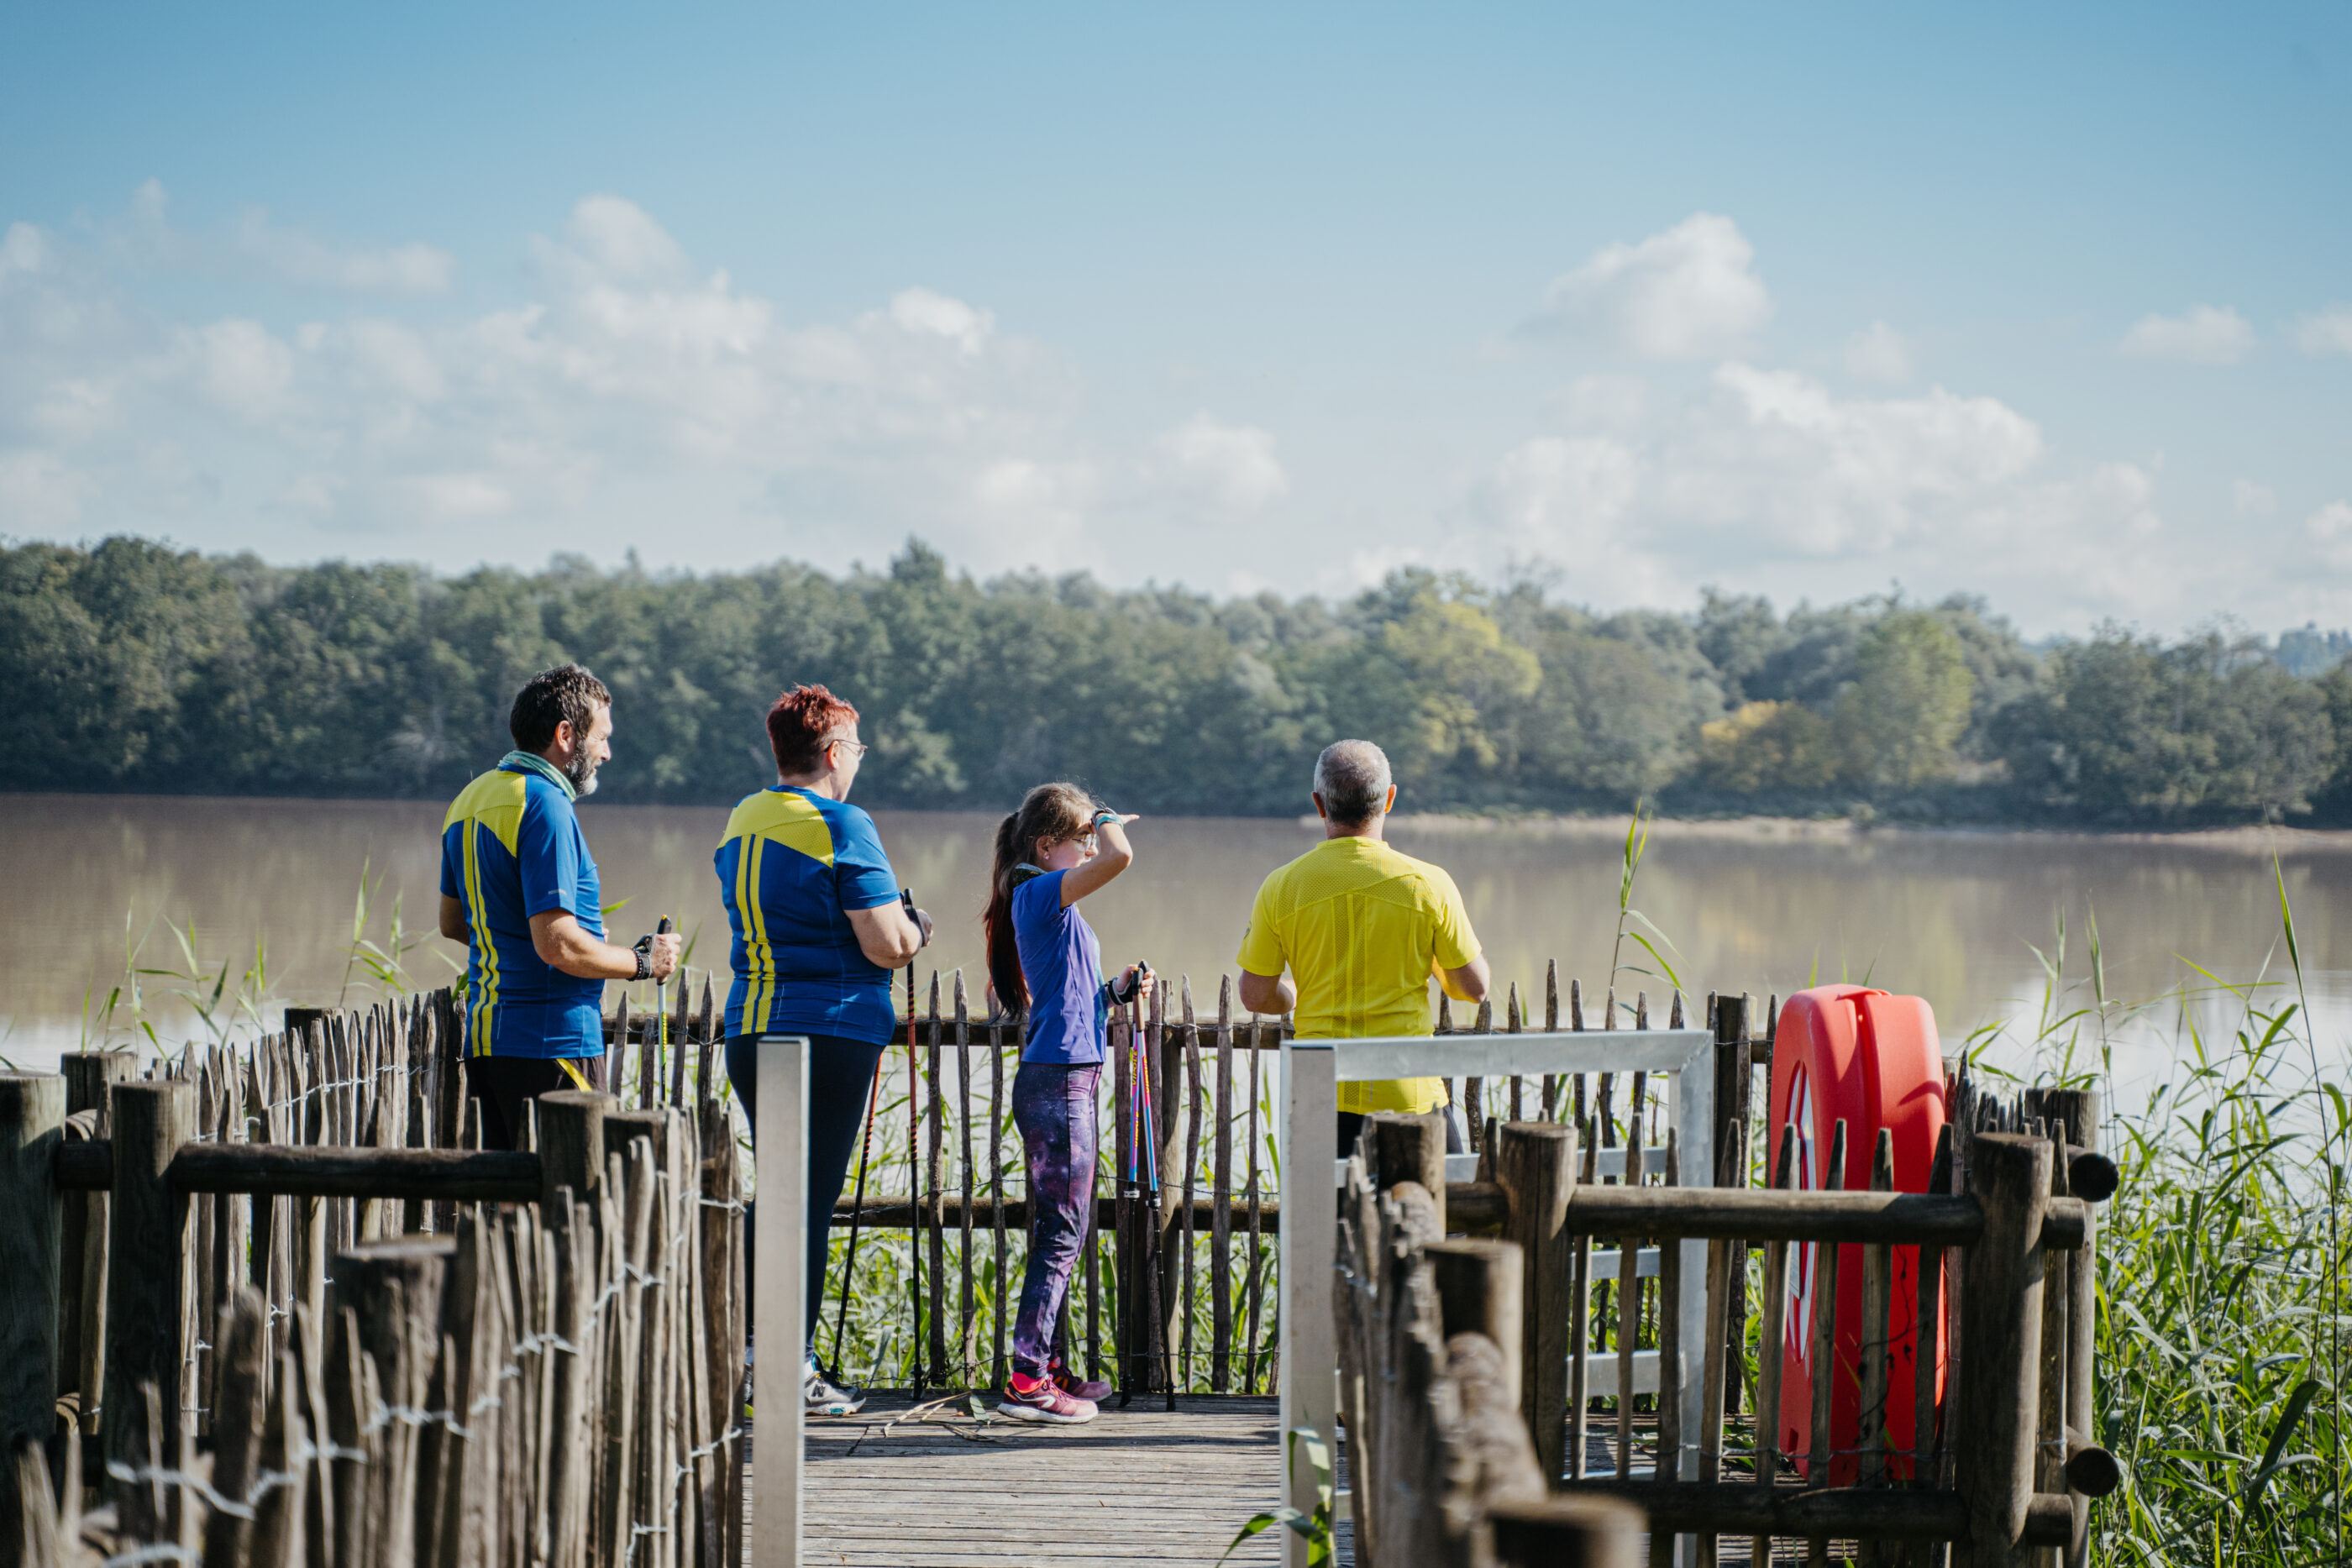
(1953, 917)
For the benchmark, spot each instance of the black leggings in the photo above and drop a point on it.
(841, 1071)
(1351, 1123)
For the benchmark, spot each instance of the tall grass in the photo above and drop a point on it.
(2224, 1264)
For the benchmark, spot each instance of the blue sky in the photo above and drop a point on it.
(2051, 307)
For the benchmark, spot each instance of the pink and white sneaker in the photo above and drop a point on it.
(1039, 1399)
(1092, 1390)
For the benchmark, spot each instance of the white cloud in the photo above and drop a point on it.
(2248, 499)
(1233, 466)
(2330, 528)
(628, 389)
(1879, 353)
(39, 491)
(293, 256)
(2201, 335)
(1768, 481)
(1826, 475)
(1563, 500)
(255, 247)
(239, 366)
(2325, 332)
(921, 310)
(23, 249)
(1682, 294)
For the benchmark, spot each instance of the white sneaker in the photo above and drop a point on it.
(819, 1396)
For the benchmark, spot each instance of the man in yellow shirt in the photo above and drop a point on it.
(1360, 928)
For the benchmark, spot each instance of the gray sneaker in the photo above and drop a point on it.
(819, 1396)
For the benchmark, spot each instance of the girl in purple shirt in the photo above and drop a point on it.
(1044, 960)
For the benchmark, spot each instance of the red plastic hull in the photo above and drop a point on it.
(1873, 1060)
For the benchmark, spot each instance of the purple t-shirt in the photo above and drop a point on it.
(1061, 962)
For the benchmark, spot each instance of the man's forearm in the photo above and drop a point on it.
(564, 943)
(1268, 994)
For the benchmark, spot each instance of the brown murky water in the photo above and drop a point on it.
(1954, 918)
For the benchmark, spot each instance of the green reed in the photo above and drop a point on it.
(2223, 1263)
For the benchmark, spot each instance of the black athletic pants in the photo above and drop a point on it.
(840, 1073)
(503, 1083)
(1351, 1124)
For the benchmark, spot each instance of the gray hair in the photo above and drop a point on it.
(1352, 776)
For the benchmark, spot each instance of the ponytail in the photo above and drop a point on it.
(1003, 954)
(1048, 811)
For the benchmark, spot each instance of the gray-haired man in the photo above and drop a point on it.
(1361, 928)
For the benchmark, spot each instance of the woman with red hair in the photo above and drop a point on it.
(818, 927)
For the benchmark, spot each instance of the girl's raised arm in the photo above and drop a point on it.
(1114, 855)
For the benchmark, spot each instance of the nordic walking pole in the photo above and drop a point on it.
(865, 1152)
(1157, 1340)
(1122, 1222)
(661, 1020)
(914, 1169)
(857, 1213)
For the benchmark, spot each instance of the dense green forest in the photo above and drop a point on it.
(135, 666)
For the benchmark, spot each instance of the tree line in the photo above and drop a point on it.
(136, 667)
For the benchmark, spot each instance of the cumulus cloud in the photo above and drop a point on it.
(256, 248)
(2330, 528)
(293, 256)
(2200, 335)
(2325, 332)
(1687, 293)
(629, 389)
(1232, 465)
(1878, 353)
(1767, 479)
(2249, 500)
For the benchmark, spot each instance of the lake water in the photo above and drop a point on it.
(1952, 918)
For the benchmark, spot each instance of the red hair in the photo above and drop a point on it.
(799, 724)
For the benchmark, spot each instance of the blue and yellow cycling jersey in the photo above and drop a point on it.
(791, 866)
(511, 848)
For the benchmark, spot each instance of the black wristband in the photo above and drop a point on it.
(645, 952)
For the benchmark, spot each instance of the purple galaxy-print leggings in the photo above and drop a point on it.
(1053, 1106)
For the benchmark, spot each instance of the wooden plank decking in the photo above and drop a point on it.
(1135, 1485)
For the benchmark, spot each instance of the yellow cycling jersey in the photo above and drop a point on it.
(1361, 928)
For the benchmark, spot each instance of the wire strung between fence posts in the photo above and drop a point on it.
(383, 1415)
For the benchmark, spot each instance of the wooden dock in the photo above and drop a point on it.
(1139, 1484)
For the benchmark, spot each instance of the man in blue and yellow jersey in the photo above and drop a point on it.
(818, 927)
(518, 887)
(1361, 928)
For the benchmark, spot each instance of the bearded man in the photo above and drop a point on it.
(520, 888)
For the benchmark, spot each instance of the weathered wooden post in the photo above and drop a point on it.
(1479, 1291)
(240, 1418)
(1535, 1163)
(389, 1294)
(2001, 1318)
(148, 1298)
(82, 1267)
(1405, 1145)
(32, 1126)
(2089, 1175)
(571, 1145)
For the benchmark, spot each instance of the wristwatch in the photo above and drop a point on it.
(1104, 815)
(645, 952)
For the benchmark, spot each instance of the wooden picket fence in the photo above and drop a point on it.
(2003, 1469)
(961, 1191)
(296, 1314)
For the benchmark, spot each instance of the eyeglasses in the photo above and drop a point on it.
(859, 748)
